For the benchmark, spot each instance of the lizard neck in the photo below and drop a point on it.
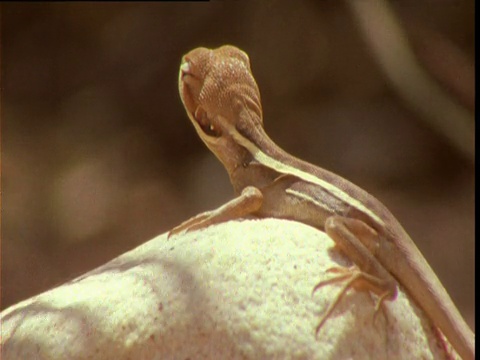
(251, 136)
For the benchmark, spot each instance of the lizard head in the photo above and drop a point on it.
(221, 98)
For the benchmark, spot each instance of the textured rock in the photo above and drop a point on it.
(239, 290)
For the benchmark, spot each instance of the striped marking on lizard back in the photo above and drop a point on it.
(282, 168)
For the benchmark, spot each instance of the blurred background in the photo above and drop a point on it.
(98, 155)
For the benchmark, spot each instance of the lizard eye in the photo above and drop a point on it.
(208, 128)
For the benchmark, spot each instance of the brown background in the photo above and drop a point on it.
(98, 155)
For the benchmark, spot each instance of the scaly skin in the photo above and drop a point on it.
(223, 103)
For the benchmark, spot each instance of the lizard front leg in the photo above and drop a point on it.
(358, 241)
(249, 201)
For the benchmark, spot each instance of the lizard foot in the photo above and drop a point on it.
(353, 277)
(249, 201)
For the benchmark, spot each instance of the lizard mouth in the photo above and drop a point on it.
(185, 69)
(190, 89)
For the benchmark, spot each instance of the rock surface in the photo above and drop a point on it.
(238, 290)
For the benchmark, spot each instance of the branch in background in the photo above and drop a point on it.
(454, 70)
(389, 43)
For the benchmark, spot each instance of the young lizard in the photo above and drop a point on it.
(222, 101)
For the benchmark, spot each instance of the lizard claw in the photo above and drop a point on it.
(190, 224)
(247, 203)
(344, 274)
(352, 273)
(354, 278)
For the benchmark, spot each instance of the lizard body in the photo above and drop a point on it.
(223, 103)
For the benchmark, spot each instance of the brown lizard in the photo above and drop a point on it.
(222, 101)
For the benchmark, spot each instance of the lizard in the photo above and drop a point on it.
(222, 100)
